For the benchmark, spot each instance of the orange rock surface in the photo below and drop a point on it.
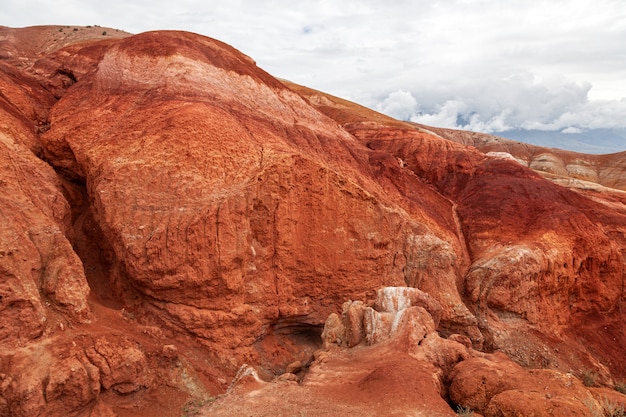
(171, 212)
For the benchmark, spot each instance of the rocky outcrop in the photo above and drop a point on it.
(163, 187)
(403, 319)
(22, 47)
(495, 386)
(539, 257)
(401, 364)
(40, 271)
(397, 366)
(242, 208)
(57, 377)
(606, 170)
(379, 322)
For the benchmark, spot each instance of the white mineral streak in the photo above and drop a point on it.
(382, 321)
(394, 299)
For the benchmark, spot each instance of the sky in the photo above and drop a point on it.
(482, 65)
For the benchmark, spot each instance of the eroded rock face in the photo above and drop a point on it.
(403, 317)
(384, 318)
(39, 271)
(397, 367)
(217, 210)
(495, 386)
(538, 256)
(229, 202)
(122, 367)
(402, 366)
(606, 170)
(57, 377)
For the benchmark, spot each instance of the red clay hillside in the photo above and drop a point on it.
(184, 234)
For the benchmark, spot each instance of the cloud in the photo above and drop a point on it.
(476, 64)
(445, 115)
(521, 101)
(400, 104)
(571, 130)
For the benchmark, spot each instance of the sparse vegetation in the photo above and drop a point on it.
(589, 377)
(128, 314)
(193, 406)
(60, 29)
(607, 408)
(612, 409)
(594, 410)
(104, 33)
(464, 411)
(620, 387)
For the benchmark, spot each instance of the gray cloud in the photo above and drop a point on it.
(478, 64)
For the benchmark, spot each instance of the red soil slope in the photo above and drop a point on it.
(172, 212)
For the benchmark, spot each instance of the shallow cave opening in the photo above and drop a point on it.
(300, 333)
(288, 346)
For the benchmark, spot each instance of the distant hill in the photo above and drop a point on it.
(595, 141)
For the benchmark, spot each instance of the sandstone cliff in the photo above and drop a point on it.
(171, 211)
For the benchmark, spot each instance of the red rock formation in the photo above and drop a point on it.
(538, 255)
(607, 170)
(243, 206)
(42, 282)
(21, 47)
(495, 386)
(399, 372)
(408, 369)
(39, 267)
(219, 215)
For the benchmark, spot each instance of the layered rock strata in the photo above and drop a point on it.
(171, 211)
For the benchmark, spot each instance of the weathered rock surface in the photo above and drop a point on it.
(496, 386)
(540, 259)
(407, 369)
(163, 187)
(396, 369)
(21, 47)
(606, 170)
(40, 271)
(242, 208)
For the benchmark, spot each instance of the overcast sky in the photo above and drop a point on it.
(485, 65)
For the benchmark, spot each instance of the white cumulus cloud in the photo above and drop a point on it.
(399, 104)
(445, 115)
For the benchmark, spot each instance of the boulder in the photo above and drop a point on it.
(122, 367)
(495, 386)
